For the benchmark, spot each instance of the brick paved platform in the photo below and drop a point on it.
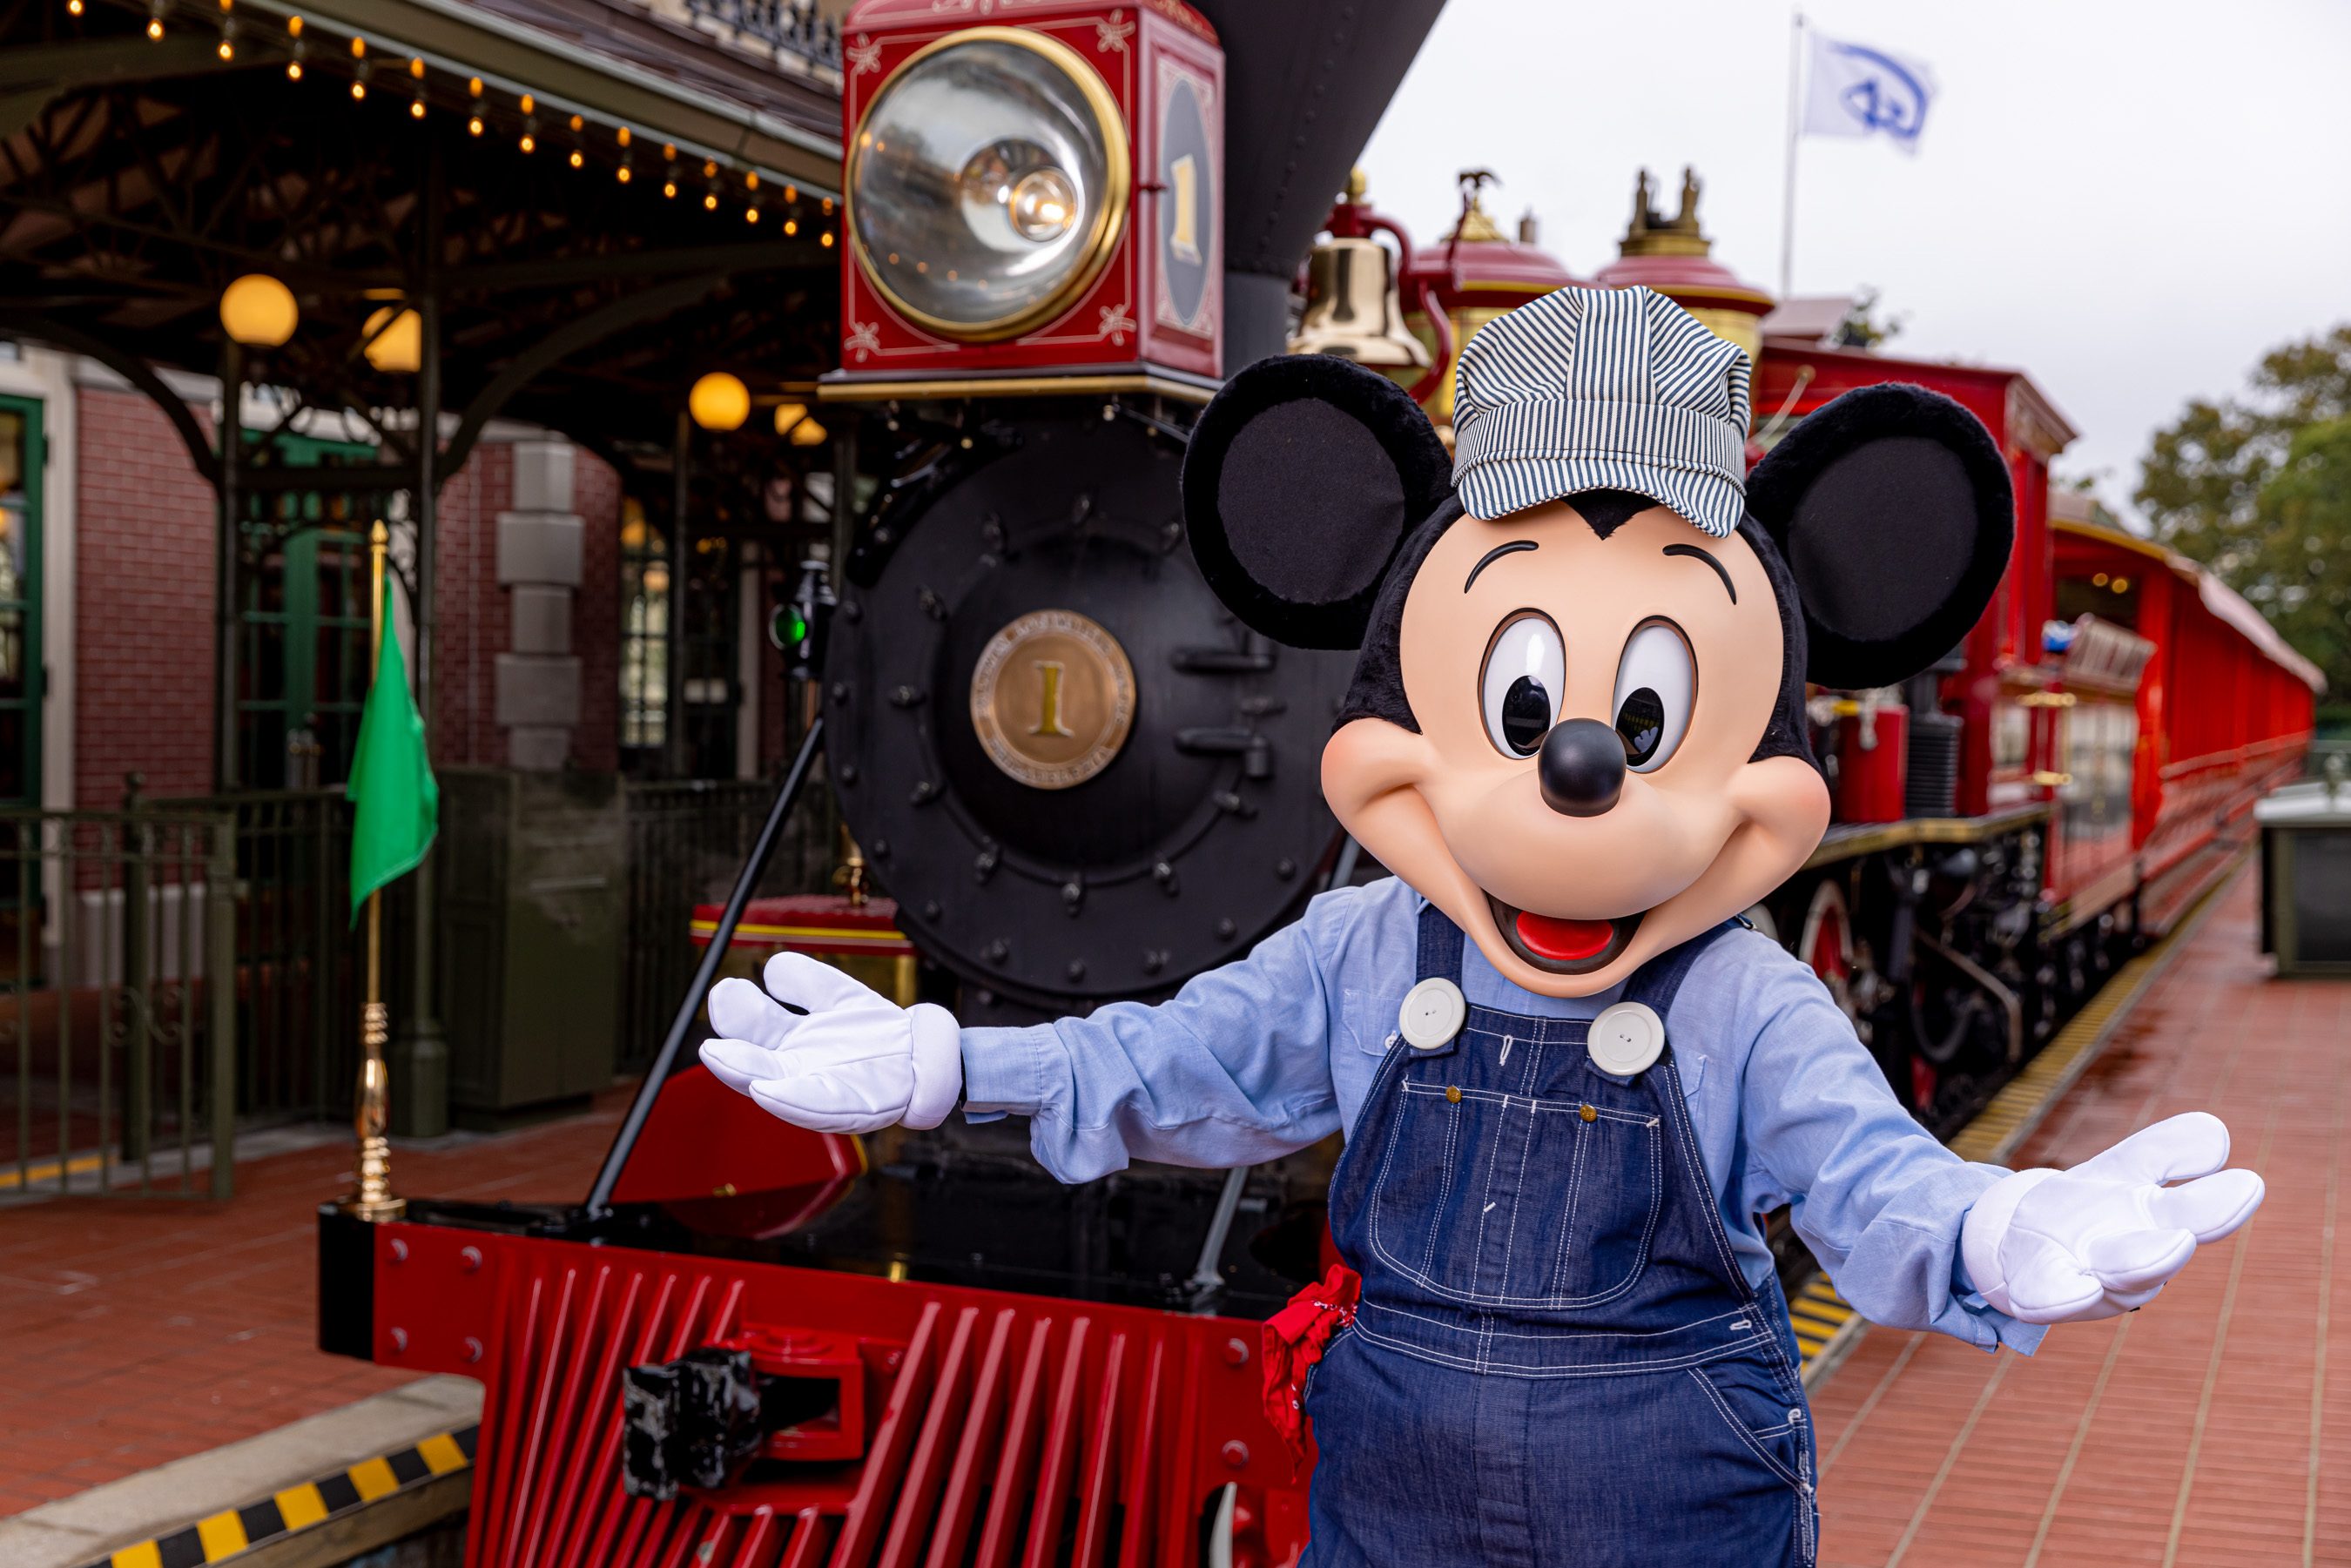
(134, 1332)
(2204, 1431)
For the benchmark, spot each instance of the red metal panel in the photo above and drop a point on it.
(577, 1367)
(1098, 1485)
(760, 1542)
(812, 1534)
(862, 1530)
(724, 1167)
(1018, 1464)
(644, 1522)
(502, 1415)
(1144, 1459)
(605, 1375)
(1035, 1410)
(1178, 1538)
(976, 1444)
(927, 1470)
(1060, 1453)
(607, 1502)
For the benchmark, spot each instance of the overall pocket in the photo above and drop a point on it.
(1503, 1200)
(1773, 1422)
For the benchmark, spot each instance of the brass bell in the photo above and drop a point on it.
(1353, 309)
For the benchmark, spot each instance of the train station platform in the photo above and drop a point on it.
(2213, 1428)
(2205, 1431)
(137, 1333)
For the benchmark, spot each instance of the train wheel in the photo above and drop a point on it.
(1827, 945)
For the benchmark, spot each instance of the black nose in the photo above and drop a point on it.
(1583, 767)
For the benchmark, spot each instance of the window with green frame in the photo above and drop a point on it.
(22, 449)
(644, 637)
(302, 656)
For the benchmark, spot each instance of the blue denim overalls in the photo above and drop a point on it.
(1556, 1360)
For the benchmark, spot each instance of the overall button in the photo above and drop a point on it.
(1626, 1039)
(1433, 1013)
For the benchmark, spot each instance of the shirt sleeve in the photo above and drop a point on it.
(1234, 1069)
(1877, 1199)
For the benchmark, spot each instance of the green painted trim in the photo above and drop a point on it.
(33, 704)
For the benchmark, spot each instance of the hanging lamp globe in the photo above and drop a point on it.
(258, 311)
(719, 401)
(393, 341)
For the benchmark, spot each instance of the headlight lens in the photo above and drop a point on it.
(988, 182)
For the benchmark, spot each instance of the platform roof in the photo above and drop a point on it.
(139, 175)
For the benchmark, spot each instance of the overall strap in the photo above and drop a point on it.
(1658, 981)
(1440, 946)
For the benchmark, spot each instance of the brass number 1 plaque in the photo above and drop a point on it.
(1052, 698)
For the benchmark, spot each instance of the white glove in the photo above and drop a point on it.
(851, 1061)
(2051, 1246)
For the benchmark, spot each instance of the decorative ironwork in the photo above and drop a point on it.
(782, 26)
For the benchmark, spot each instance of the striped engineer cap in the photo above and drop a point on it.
(1602, 389)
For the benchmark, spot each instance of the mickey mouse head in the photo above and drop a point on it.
(1576, 722)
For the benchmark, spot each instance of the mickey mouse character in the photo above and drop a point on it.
(1569, 1077)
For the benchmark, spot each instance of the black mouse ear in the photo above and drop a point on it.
(1301, 480)
(1892, 507)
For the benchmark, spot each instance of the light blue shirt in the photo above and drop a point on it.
(1275, 1052)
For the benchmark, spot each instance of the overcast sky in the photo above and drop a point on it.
(2130, 202)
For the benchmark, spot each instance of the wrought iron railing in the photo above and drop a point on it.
(782, 25)
(687, 840)
(118, 1001)
(125, 1068)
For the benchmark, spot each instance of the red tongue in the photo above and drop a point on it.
(1563, 941)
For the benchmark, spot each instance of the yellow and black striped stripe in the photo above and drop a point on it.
(222, 1536)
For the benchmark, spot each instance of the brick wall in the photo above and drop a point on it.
(470, 606)
(143, 604)
(596, 615)
(475, 615)
(143, 594)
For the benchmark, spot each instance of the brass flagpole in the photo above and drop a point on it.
(371, 1109)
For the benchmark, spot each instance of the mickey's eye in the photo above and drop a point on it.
(1526, 671)
(1656, 682)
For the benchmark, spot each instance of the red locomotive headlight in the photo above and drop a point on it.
(987, 183)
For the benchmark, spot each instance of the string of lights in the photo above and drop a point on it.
(492, 110)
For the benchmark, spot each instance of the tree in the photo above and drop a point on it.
(2259, 488)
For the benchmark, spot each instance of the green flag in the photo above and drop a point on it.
(392, 781)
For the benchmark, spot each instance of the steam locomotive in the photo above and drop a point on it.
(1080, 779)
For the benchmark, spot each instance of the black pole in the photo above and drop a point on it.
(420, 1060)
(599, 1197)
(676, 757)
(225, 736)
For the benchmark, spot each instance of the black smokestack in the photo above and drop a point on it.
(1305, 82)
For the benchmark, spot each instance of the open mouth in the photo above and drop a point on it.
(1562, 947)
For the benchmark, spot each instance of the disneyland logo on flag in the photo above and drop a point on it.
(1854, 91)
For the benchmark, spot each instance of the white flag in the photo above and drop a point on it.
(1852, 90)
